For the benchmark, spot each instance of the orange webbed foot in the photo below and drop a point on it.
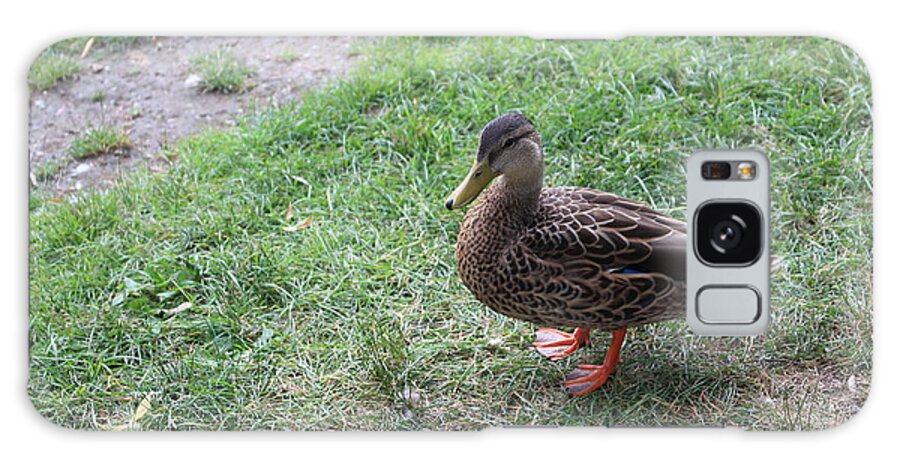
(555, 344)
(589, 377)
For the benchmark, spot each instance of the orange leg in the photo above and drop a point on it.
(557, 345)
(589, 377)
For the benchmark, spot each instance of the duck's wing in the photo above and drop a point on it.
(601, 229)
(600, 256)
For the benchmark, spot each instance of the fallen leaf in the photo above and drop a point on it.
(142, 410)
(87, 48)
(290, 212)
(114, 428)
(177, 309)
(131, 285)
(300, 225)
(264, 338)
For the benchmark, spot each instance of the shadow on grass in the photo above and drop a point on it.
(646, 390)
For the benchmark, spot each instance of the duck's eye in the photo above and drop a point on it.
(477, 173)
(509, 143)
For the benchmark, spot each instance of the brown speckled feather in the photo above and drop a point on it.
(564, 262)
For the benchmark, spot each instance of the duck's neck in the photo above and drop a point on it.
(513, 200)
(520, 191)
(498, 219)
(519, 188)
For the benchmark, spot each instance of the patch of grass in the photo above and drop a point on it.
(49, 169)
(287, 56)
(60, 60)
(221, 71)
(135, 111)
(74, 46)
(97, 141)
(50, 68)
(359, 320)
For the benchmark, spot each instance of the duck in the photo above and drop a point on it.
(571, 257)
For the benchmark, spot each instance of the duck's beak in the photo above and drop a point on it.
(478, 178)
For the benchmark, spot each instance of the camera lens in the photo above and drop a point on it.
(728, 233)
(716, 170)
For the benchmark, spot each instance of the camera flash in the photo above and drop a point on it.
(746, 170)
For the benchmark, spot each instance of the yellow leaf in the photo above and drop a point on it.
(300, 225)
(177, 309)
(87, 48)
(290, 212)
(142, 409)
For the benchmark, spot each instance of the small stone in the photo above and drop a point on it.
(81, 169)
(97, 67)
(193, 81)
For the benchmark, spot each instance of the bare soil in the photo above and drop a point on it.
(148, 90)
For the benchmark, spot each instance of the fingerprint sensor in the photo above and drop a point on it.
(724, 304)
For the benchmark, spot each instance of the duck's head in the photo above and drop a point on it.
(510, 146)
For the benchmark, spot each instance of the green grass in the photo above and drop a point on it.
(221, 71)
(49, 68)
(48, 170)
(99, 140)
(287, 56)
(359, 320)
(60, 61)
(101, 47)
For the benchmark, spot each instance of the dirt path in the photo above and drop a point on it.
(148, 90)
